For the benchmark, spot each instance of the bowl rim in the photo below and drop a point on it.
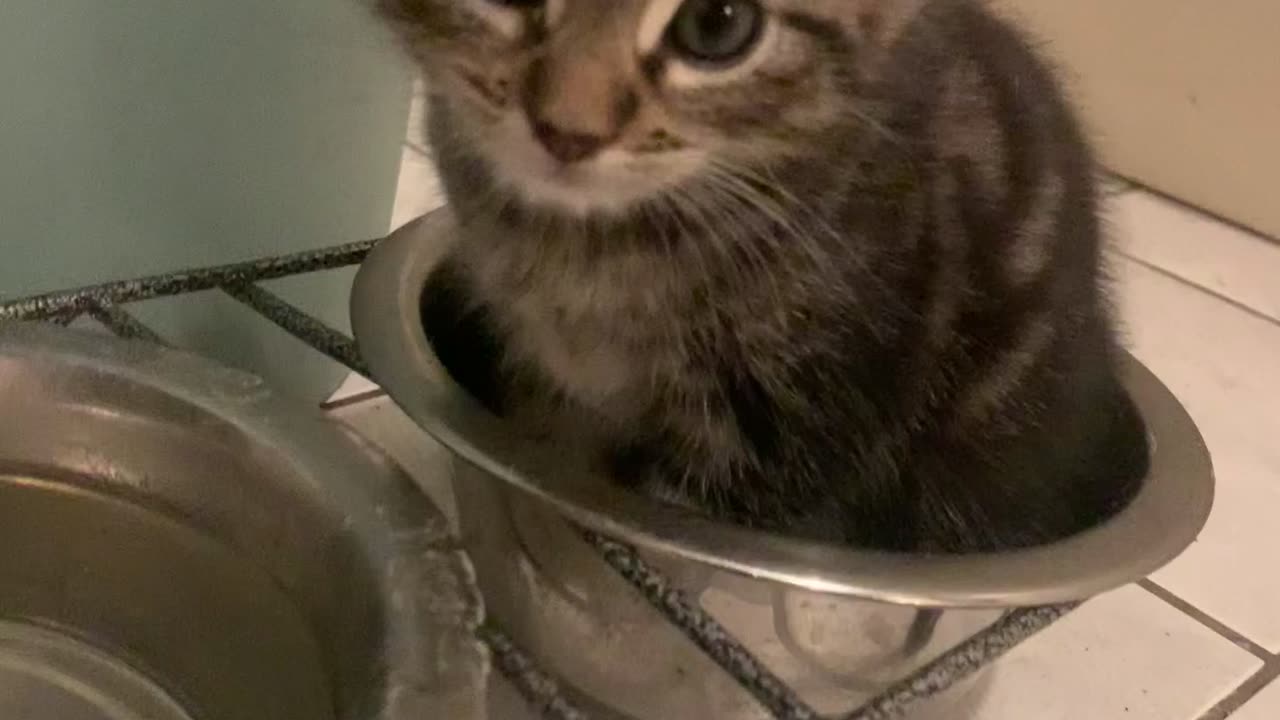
(1162, 520)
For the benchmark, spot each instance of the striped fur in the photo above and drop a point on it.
(850, 289)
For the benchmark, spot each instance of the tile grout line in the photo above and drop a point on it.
(1244, 692)
(1252, 685)
(1269, 673)
(1200, 616)
(1203, 212)
(1259, 314)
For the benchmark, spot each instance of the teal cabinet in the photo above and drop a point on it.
(143, 136)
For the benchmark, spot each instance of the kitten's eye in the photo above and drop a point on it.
(715, 31)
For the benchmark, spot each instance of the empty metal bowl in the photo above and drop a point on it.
(179, 543)
(839, 624)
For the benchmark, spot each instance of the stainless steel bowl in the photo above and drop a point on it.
(838, 622)
(177, 542)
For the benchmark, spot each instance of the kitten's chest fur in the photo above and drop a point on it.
(599, 331)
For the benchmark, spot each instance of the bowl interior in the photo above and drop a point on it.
(157, 598)
(173, 543)
(1169, 510)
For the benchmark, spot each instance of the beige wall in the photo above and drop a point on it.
(1181, 95)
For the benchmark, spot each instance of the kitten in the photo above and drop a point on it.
(821, 267)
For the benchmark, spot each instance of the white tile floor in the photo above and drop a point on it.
(1201, 302)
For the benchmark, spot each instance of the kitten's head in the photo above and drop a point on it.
(594, 106)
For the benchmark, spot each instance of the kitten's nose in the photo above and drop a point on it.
(567, 146)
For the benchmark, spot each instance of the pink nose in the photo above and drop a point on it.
(566, 146)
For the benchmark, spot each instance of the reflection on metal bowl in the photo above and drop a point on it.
(838, 624)
(178, 543)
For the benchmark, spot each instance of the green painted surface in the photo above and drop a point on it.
(143, 136)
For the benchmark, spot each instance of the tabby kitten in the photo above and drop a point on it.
(821, 267)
